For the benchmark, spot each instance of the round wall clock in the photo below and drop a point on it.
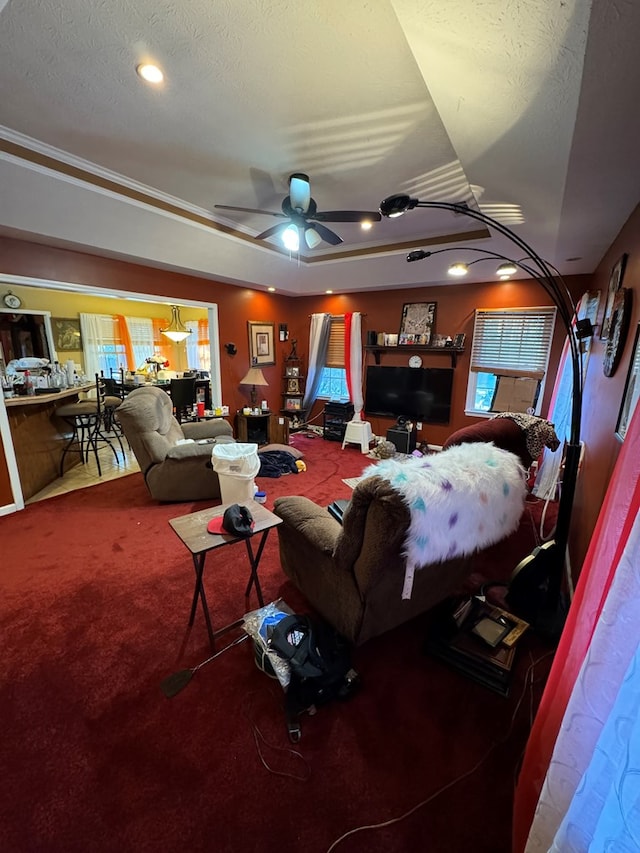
(617, 331)
(415, 361)
(12, 301)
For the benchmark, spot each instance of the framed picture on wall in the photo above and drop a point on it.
(417, 325)
(631, 390)
(66, 334)
(615, 282)
(261, 348)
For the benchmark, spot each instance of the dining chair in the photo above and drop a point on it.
(183, 398)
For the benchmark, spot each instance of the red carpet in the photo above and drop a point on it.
(96, 589)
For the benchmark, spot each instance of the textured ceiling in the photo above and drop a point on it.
(524, 108)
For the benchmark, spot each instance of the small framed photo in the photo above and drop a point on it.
(261, 348)
(417, 325)
(293, 386)
(292, 371)
(292, 404)
(66, 334)
(631, 390)
(615, 282)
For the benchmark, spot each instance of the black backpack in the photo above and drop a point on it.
(320, 662)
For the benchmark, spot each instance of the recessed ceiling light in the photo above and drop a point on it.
(150, 73)
(328, 291)
(366, 224)
(271, 289)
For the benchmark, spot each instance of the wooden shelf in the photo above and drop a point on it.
(452, 352)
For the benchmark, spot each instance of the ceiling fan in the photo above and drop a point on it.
(303, 220)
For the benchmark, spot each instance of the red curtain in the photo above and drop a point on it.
(607, 544)
(347, 352)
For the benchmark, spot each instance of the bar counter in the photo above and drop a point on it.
(39, 437)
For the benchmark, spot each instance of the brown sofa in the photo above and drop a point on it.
(172, 471)
(353, 574)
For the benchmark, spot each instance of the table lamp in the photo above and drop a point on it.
(253, 377)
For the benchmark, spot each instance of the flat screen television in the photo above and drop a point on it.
(416, 393)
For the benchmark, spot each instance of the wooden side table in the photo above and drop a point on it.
(265, 428)
(192, 532)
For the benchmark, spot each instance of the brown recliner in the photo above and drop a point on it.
(172, 471)
(353, 574)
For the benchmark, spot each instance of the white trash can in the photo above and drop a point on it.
(236, 465)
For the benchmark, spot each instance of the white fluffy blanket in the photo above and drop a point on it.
(461, 500)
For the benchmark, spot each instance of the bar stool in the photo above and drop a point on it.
(358, 432)
(87, 419)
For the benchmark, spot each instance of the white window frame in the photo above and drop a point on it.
(517, 354)
(334, 370)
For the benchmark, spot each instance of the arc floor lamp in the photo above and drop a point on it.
(554, 557)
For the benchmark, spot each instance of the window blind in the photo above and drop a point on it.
(512, 341)
(335, 347)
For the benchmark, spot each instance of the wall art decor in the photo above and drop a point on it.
(615, 283)
(417, 325)
(617, 330)
(631, 390)
(261, 348)
(66, 334)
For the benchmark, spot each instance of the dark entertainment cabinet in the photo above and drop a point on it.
(336, 416)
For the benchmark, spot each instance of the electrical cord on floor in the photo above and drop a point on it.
(260, 740)
(460, 778)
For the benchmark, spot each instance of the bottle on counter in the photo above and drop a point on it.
(28, 384)
(58, 376)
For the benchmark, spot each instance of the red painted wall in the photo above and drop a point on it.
(454, 313)
(603, 395)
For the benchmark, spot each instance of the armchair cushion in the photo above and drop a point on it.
(503, 432)
(172, 471)
(354, 575)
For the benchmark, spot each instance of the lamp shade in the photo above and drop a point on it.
(506, 269)
(176, 330)
(458, 269)
(254, 376)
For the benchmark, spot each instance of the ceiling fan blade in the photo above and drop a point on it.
(299, 191)
(327, 235)
(347, 216)
(248, 210)
(273, 230)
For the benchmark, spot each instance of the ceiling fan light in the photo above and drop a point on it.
(458, 269)
(176, 330)
(312, 238)
(506, 269)
(290, 238)
(299, 191)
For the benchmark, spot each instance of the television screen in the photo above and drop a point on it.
(421, 394)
